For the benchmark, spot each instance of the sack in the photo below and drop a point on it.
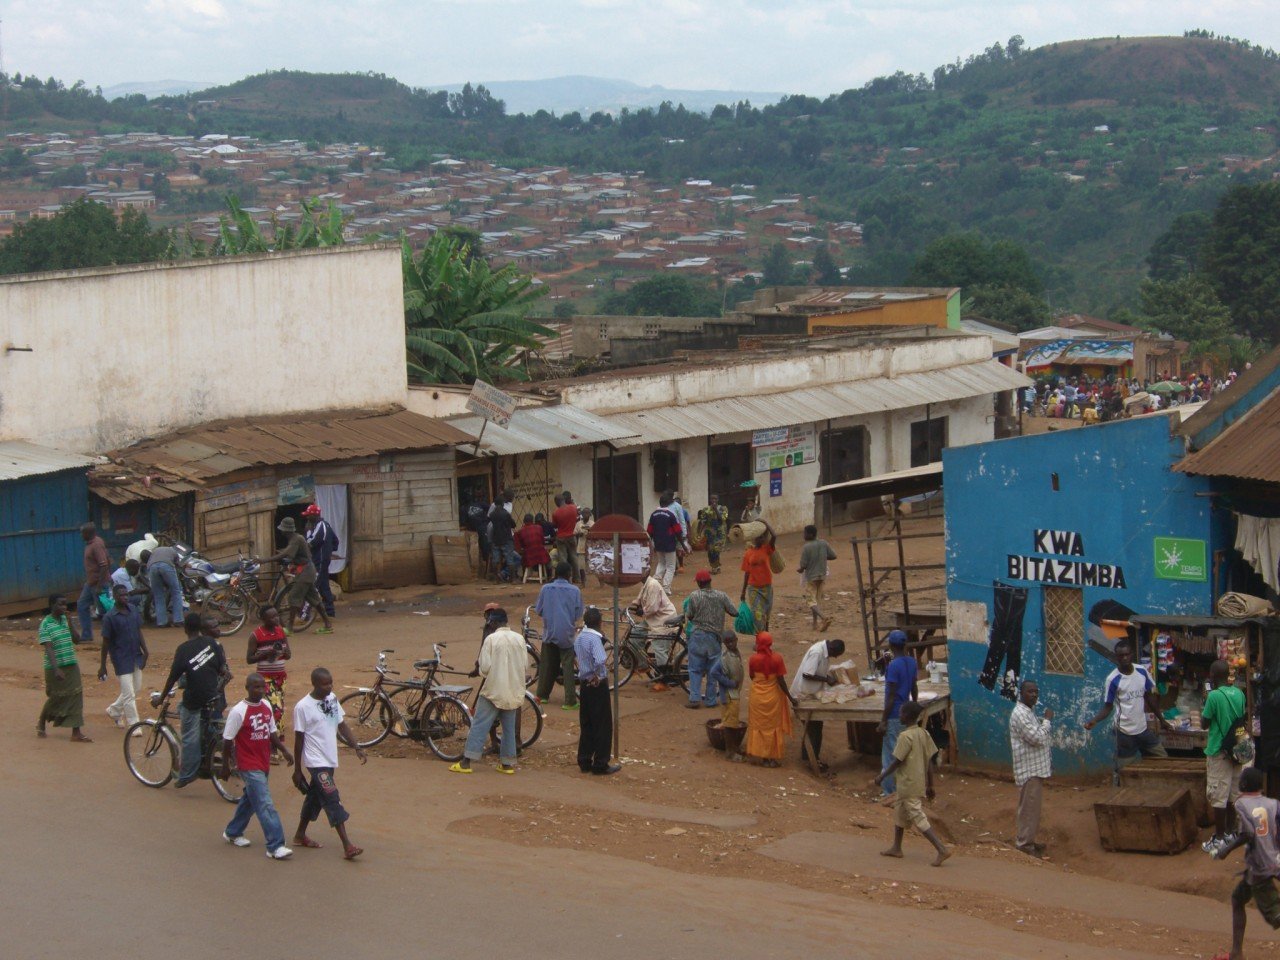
(745, 622)
(1237, 744)
(776, 563)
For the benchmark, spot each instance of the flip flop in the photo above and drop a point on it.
(352, 852)
(307, 842)
(322, 630)
(504, 769)
(459, 768)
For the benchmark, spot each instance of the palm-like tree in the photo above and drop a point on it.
(240, 233)
(465, 321)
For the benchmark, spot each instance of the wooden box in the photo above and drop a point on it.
(1186, 772)
(1150, 819)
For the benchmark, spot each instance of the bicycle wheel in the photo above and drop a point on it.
(232, 788)
(680, 667)
(406, 707)
(152, 756)
(446, 722)
(306, 616)
(529, 722)
(626, 664)
(369, 715)
(531, 670)
(230, 607)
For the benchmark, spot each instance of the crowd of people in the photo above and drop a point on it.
(1100, 399)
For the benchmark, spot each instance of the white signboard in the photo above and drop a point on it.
(784, 447)
(635, 558)
(491, 403)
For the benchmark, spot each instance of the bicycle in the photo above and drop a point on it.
(232, 603)
(633, 652)
(152, 751)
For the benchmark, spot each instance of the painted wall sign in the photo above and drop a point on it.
(295, 490)
(1177, 558)
(784, 447)
(1073, 573)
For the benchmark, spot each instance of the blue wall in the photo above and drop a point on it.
(1117, 492)
(41, 551)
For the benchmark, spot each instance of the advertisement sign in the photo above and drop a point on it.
(491, 403)
(293, 490)
(775, 482)
(785, 447)
(1179, 559)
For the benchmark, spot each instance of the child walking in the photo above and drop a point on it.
(250, 732)
(813, 574)
(1257, 816)
(727, 672)
(913, 766)
(317, 724)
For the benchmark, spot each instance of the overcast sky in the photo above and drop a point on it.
(804, 46)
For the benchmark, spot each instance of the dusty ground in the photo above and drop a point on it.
(678, 826)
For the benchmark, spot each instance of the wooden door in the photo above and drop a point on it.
(365, 560)
(617, 485)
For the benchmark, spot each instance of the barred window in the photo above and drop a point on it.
(1064, 630)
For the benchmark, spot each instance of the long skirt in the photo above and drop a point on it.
(65, 704)
(760, 600)
(768, 719)
(275, 694)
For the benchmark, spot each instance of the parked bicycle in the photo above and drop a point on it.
(153, 754)
(232, 603)
(637, 652)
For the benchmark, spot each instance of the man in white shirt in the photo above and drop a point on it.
(813, 674)
(1130, 691)
(317, 724)
(1032, 763)
(502, 662)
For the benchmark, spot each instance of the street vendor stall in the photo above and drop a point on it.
(861, 714)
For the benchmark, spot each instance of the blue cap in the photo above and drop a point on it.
(897, 638)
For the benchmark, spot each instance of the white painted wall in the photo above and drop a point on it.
(119, 354)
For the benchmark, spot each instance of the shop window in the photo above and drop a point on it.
(928, 438)
(1064, 630)
(666, 470)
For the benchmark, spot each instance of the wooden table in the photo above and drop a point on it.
(934, 697)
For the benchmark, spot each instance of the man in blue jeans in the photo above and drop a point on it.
(559, 604)
(166, 591)
(706, 609)
(97, 579)
(202, 664)
(250, 733)
(899, 687)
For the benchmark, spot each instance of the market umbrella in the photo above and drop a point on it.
(1166, 386)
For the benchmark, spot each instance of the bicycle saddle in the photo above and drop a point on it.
(674, 621)
(423, 664)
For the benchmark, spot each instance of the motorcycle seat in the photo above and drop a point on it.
(228, 566)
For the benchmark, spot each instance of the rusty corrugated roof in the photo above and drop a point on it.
(187, 459)
(1249, 449)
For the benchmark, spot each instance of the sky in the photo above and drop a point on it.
(790, 46)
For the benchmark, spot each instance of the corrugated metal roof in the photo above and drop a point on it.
(21, 458)
(187, 459)
(897, 482)
(814, 404)
(1249, 449)
(544, 428)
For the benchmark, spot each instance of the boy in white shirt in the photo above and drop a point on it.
(318, 723)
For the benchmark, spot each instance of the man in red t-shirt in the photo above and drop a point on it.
(250, 733)
(566, 520)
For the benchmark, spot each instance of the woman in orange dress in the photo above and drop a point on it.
(769, 708)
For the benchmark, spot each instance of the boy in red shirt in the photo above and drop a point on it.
(250, 731)
(268, 651)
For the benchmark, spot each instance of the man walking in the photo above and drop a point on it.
(559, 604)
(166, 591)
(565, 517)
(813, 574)
(706, 609)
(595, 740)
(97, 578)
(665, 532)
(1223, 708)
(813, 674)
(202, 663)
(323, 542)
(899, 687)
(501, 663)
(1032, 764)
(122, 640)
(1130, 691)
(318, 724)
(713, 520)
(250, 733)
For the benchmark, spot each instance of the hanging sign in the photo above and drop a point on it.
(1177, 558)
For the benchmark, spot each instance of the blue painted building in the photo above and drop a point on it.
(44, 498)
(1048, 537)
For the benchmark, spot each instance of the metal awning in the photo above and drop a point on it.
(815, 404)
(1190, 622)
(898, 483)
(21, 458)
(543, 428)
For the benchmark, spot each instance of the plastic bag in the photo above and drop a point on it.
(745, 622)
(106, 601)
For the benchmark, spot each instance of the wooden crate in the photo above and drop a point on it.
(1186, 772)
(1146, 819)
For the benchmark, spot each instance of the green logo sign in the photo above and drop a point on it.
(1179, 559)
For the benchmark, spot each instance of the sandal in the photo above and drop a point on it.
(322, 630)
(352, 852)
(503, 768)
(307, 842)
(459, 768)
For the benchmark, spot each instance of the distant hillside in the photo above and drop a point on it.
(586, 95)
(153, 88)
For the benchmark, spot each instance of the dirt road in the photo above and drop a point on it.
(682, 854)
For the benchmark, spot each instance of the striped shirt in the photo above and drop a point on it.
(1029, 738)
(55, 637)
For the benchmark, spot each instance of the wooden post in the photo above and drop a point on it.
(617, 651)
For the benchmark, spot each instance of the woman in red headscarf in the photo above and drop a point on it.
(769, 709)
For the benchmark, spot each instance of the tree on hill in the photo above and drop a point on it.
(1187, 309)
(1177, 251)
(664, 295)
(825, 271)
(83, 234)
(997, 278)
(1241, 258)
(779, 271)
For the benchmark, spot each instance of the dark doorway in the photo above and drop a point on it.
(844, 455)
(617, 485)
(727, 466)
(928, 438)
